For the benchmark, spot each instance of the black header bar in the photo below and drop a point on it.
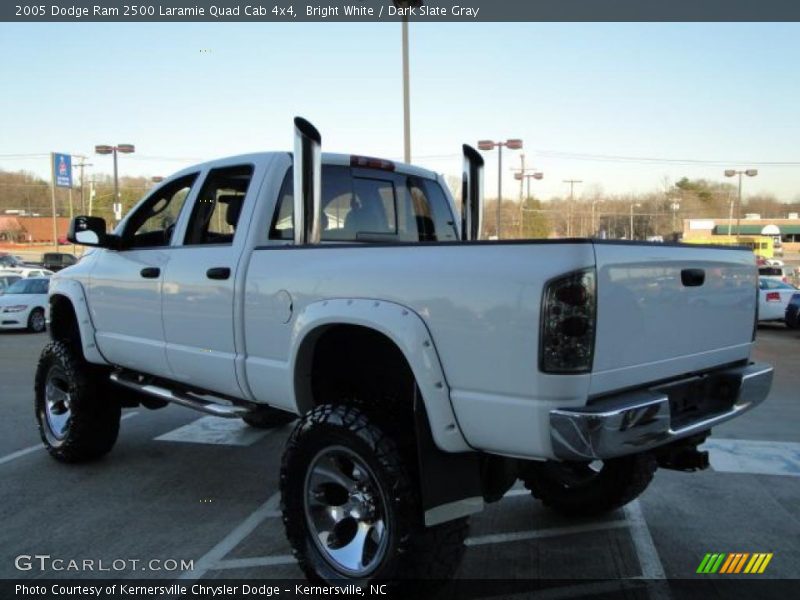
(371, 11)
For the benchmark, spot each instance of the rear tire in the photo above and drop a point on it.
(581, 489)
(268, 418)
(36, 321)
(351, 505)
(78, 417)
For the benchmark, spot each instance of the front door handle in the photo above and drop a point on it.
(218, 273)
(150, 272)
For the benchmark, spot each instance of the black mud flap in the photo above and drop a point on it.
(450, 482)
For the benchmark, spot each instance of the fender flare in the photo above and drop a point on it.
(406, 329)
(73, 291)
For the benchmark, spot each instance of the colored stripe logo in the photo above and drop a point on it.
(734, 562)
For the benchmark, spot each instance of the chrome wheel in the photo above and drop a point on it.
(37, 322)
(57, 403)
(345, 511)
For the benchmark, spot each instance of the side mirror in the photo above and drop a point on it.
(89, 231)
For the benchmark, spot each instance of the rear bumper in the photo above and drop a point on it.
(643, 419)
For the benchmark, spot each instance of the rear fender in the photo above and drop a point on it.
(408, 332)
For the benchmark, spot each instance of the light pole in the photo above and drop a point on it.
(405, 4)
(633, 205)
(675, 206)
(571, 183)
(124, 149)
(731, 173)
(511, 144)
(526, 174)
(595, 202)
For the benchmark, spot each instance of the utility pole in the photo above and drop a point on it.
(571, 183)
(521, 182)
(81, 165)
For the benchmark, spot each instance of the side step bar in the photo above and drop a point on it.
(183, 398)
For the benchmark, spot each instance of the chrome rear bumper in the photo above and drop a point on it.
(643, 419)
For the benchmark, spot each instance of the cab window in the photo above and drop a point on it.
(372, 206)
(216, 211)
(152, 225)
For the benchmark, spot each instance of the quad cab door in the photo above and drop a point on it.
(200, 280)
(125, 285)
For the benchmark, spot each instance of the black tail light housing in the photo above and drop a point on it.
(569, 323)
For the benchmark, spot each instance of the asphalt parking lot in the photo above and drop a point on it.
(180, 486)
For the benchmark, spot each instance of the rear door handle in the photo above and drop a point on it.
(150, 272)
(218, 273)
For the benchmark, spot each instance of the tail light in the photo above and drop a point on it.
(773, 297)
(569, 320)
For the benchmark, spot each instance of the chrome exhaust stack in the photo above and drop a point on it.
(307, 182)
(471, 194)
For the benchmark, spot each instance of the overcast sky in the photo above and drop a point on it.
(727, 94)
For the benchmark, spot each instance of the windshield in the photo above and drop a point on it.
(28, 286)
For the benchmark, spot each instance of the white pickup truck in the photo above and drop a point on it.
(430, 370)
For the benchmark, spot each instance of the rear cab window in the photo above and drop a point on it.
(371, 205)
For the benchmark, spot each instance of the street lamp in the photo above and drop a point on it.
(636, 205)
(732, 173)
(119, 148)
(406, 82)
(511, 144)
(519, 176)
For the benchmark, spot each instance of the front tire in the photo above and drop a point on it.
(351, 505)
(78, 419)
(588, 489)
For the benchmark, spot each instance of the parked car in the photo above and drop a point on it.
(6, 279)
(430, 370)
(778, 273)
(10, 261)
(29, 271)
(24, 305)
(792, 316)
(773, 298)
(55, 261)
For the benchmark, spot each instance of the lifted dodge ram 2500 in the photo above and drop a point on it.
(429, 370)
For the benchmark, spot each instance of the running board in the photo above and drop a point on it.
(183, 398)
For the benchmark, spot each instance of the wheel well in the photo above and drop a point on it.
(351, 363)
(64, 322)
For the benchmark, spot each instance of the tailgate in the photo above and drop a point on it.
(668, 310)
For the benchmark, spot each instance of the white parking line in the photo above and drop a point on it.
(754, 456)
(643, 542)
(233, 539)
(216, 430)
(517, 536)
(25, 451)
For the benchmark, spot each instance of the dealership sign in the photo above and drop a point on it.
(62, 167)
